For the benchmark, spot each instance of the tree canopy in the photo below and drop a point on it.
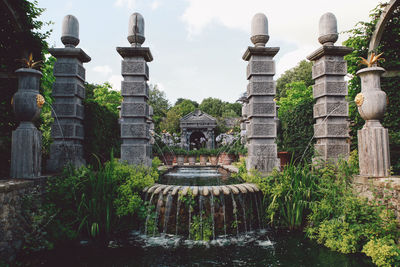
(300, 73)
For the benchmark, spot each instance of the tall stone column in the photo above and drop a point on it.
(26, 144)
(68, 93)
(373, 139)
(331, 129)
(150, 121)
(135, 147)
(261, 131)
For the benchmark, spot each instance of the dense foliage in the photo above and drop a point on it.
(160, 104)
(390, 46)
(102, 130)
(300, 73)
(296, 121)
(90, 203)
(323, 202)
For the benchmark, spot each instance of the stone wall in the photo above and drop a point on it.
(384, 190)
(13, 226)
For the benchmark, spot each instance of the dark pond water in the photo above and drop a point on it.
(198, 175)
(264, 248)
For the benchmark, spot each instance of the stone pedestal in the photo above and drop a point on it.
(261, 110)
(135, 147)
(68, 110)
(373, 139)
(26, 144)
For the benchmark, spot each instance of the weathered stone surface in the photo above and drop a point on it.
(331, 130)
(62, 89)
(135, 154)
(328, 33)
(331, 152)
(134, 88)
(63, 153)
(135, 130)
(64, 110)
(260, 67)
(70, 31)
(26, 156)
(373, 149)
(134, 109)
(67, 131)
(135, 67)
(330, 89)
(329, 67)
(335, 109)
(261, 88)
(261, 130)
(69, 70)
(262, 109)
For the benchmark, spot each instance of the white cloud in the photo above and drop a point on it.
(297, 20)
(155, 5)
(292, 58)
(115, 81)
(125, 3)
(105, 69)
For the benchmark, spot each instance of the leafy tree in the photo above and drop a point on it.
(212, 106)
(180, 100)
(296, 118)
(160, 104)
(171, 122)
(300, 73)
(232, 110)
(390, 45)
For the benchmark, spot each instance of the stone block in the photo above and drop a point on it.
(331, 130)
(135, 154)
(135, 68)
(69, 70)
(329, 67)
(263, 164)
(261, 130)
(68, 89)
(67, 131)
(261, 88)
(332, 109)
(63, 153)
(135, 130)
(134, 109)
(373, 151)
(262, 109)
(330, 89)
(64, 110)
(260, 67)
(332, 152)
(266, 150)
(134, 89)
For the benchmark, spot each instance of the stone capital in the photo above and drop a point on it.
(135, 52)
(329, 50)
(259, 51)
(70, 52)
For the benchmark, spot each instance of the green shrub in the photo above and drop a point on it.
(383, 251)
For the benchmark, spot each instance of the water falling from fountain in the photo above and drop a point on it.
(168, 210)
(212, 215)
(235, 213)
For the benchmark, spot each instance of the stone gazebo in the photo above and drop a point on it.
(195, 126)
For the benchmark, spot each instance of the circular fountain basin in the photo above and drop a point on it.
(202, 202)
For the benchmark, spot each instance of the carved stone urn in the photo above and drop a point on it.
(371, 102)
(26, 139)
(373, 139)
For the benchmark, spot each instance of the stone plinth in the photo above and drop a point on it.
(26, 144)
(331, 129)
(68, 110)
(373, 139)
(261, 109)
(135, 129)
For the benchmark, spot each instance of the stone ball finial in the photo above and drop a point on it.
(70, 31)
(328, 33)
(136, 30)
(259, 30)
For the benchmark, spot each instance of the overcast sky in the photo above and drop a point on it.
(198, 45)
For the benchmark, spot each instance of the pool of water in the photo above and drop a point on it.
(261, 248)
(198, 175)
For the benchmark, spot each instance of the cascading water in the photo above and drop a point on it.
(202, 203)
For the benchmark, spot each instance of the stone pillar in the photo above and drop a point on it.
(261, 131)
(331, 129)
(135, 147)
(150, 121)
(243, 123)
(373, 139)
(68, 93)
(26, 144)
